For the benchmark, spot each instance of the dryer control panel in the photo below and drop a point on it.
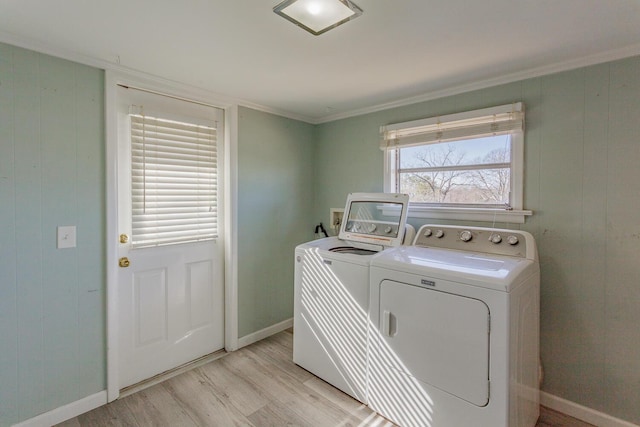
(515, 243)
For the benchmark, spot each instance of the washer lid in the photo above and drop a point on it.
(365, 221)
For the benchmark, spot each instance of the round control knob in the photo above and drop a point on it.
(495, 238)
(439, 234)
(372, 228)
(466, 235)
(388, 229)
(428, 232)
(512, 240)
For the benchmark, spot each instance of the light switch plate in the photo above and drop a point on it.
(66, 236)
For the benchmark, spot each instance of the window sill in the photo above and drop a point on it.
(468, 214)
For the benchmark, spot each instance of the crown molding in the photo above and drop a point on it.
(225, 100)
(608, 56)
(220, 100)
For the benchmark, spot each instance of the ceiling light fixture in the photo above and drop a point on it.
(318, 16)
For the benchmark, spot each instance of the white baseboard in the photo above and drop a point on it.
(88, 403)
(66, 412)
(264, 333)
(580, 412)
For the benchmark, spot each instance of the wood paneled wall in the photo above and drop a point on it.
(582, 180)
(52, 301)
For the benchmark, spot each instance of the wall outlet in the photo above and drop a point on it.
(335, 216)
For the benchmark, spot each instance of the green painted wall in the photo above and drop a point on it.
(52, 301)
(275, 205)
(582, 180)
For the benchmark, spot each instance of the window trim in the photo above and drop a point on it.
(513, 213)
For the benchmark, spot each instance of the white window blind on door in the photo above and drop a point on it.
(174, 182)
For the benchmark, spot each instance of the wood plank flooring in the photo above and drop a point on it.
(258, 385)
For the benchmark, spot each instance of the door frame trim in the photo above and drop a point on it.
(229, 213)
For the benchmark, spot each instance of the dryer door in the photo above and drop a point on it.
(438, 338)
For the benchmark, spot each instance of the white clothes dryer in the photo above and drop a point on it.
(454, 338)
(331, 290)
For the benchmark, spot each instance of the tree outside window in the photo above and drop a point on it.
(470, 171)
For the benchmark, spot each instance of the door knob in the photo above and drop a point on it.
(124, 238)
(123, 262)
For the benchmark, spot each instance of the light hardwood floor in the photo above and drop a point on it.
(258, 385)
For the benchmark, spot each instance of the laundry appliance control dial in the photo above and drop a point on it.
(466, 235)
(485, 240)
(495, 238)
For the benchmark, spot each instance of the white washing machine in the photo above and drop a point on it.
(332, 290)
(454, 337)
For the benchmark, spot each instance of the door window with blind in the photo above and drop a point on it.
(173, 179)
(471, 160)
(174, 167)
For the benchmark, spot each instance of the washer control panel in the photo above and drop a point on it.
(477, 239)
(374, 228)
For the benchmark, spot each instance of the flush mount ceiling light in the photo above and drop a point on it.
(318, 16)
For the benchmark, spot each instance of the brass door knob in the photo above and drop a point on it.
(123, 262)
(124, 238)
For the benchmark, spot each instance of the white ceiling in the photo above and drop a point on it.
(396, 51)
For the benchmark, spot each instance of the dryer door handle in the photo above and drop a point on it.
(389, 324)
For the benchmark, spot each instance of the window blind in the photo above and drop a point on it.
(479, 123)
(173, 182)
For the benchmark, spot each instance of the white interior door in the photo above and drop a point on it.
(170, 280)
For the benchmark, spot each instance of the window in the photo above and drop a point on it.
(460, 166)
(173, 181)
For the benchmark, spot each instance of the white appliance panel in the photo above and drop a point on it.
(331, 291)
(500, 277)
(441, 339)
(330, 319)
(524, 353)
(493, 272)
